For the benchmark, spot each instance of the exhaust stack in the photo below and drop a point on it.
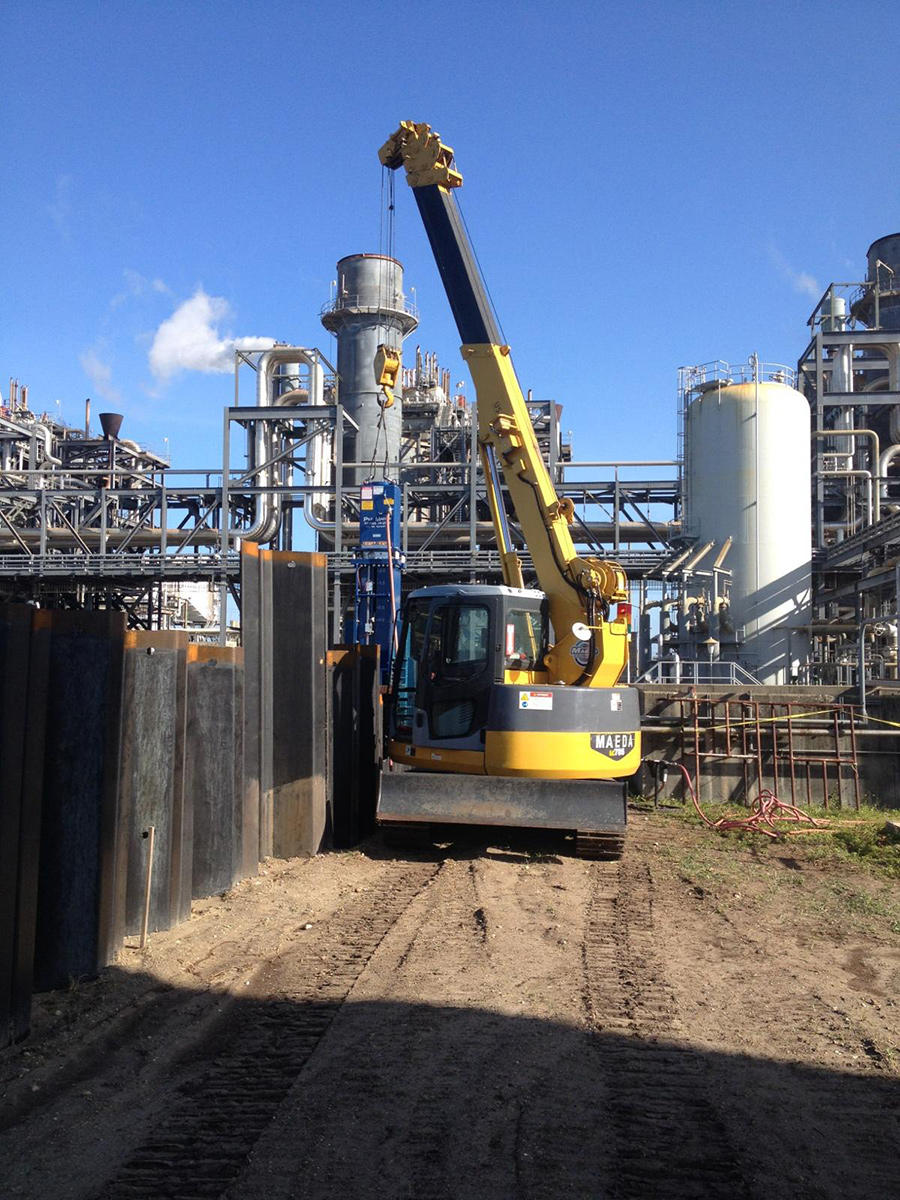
(111, 423)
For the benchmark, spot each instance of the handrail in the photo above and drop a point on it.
(689, 671)
(721, 372)
(360, 303)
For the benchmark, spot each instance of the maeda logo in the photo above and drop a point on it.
(581, 652)
(613, 745)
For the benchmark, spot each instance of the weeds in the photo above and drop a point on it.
(853, 837)
(864, 904)
(864, 846)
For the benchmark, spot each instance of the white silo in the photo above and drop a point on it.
(747, 476)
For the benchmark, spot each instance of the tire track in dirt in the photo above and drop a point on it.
(401, 1136)
(465, 923)
(240, 1079)
(669, 1137)
(460, 1067)
(378, 1067)
(509, 1081)
(528, 1027)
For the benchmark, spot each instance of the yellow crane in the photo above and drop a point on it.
(515, 688)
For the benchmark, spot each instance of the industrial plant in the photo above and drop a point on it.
(408, 803)
(745, 564)
(480, 602)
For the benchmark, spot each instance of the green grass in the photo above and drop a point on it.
(853, 838)
(864, 904)
(845, 886)
(861, 845)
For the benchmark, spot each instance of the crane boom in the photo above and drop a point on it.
(579, 589)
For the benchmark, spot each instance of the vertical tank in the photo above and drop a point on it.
(368, 310)
(883, 269)
(747, 476)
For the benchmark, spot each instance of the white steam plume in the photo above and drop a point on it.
(100, 375)
(190, 340)
(801, 281)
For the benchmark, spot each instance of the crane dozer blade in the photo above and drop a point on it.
(595, 810)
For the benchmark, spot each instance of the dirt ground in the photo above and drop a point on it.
(704, 1018)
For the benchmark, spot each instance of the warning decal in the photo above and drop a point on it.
(536, 700)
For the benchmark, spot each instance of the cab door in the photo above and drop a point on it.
(455, 675)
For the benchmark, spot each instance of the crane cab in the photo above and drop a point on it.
(470, 693)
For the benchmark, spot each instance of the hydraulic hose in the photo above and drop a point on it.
(765, 811)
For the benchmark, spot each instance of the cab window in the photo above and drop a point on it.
(407, 670)
(524, 639)
(464, 636)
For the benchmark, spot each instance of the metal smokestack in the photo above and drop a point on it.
(111, 423)
(369, 310)
(883, 273)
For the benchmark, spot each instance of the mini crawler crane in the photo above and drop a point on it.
(505, 707)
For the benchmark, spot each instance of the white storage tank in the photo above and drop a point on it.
(747, 476)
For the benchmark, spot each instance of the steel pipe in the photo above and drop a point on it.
(261, 448)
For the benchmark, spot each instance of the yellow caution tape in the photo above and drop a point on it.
(884, 721)
(805, 716)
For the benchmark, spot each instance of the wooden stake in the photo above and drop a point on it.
(150, 835)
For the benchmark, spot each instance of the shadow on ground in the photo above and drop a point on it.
(277, 1099)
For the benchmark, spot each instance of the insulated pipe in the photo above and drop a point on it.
(456, 535)
(698, 557)
(61, 536)
(853, 433)
(720, 557)
(828, 627)
(670, 567)
(319, 468)
(261, 446)
(876, 458)
(861, 659)
(885, 460)
(873, 505)
(842, 381)
(459, 533)
(33, 432)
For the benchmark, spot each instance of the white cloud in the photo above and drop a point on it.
(801, 281)
(100, 375)
(137, 286)
(806, 284)
(191, 340)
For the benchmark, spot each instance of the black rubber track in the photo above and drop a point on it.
(605, 847)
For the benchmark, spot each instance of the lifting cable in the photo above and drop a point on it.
(387, 210)
(373, 462)
(391, 213)
(385, 249)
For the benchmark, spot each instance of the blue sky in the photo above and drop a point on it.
(647, 185)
